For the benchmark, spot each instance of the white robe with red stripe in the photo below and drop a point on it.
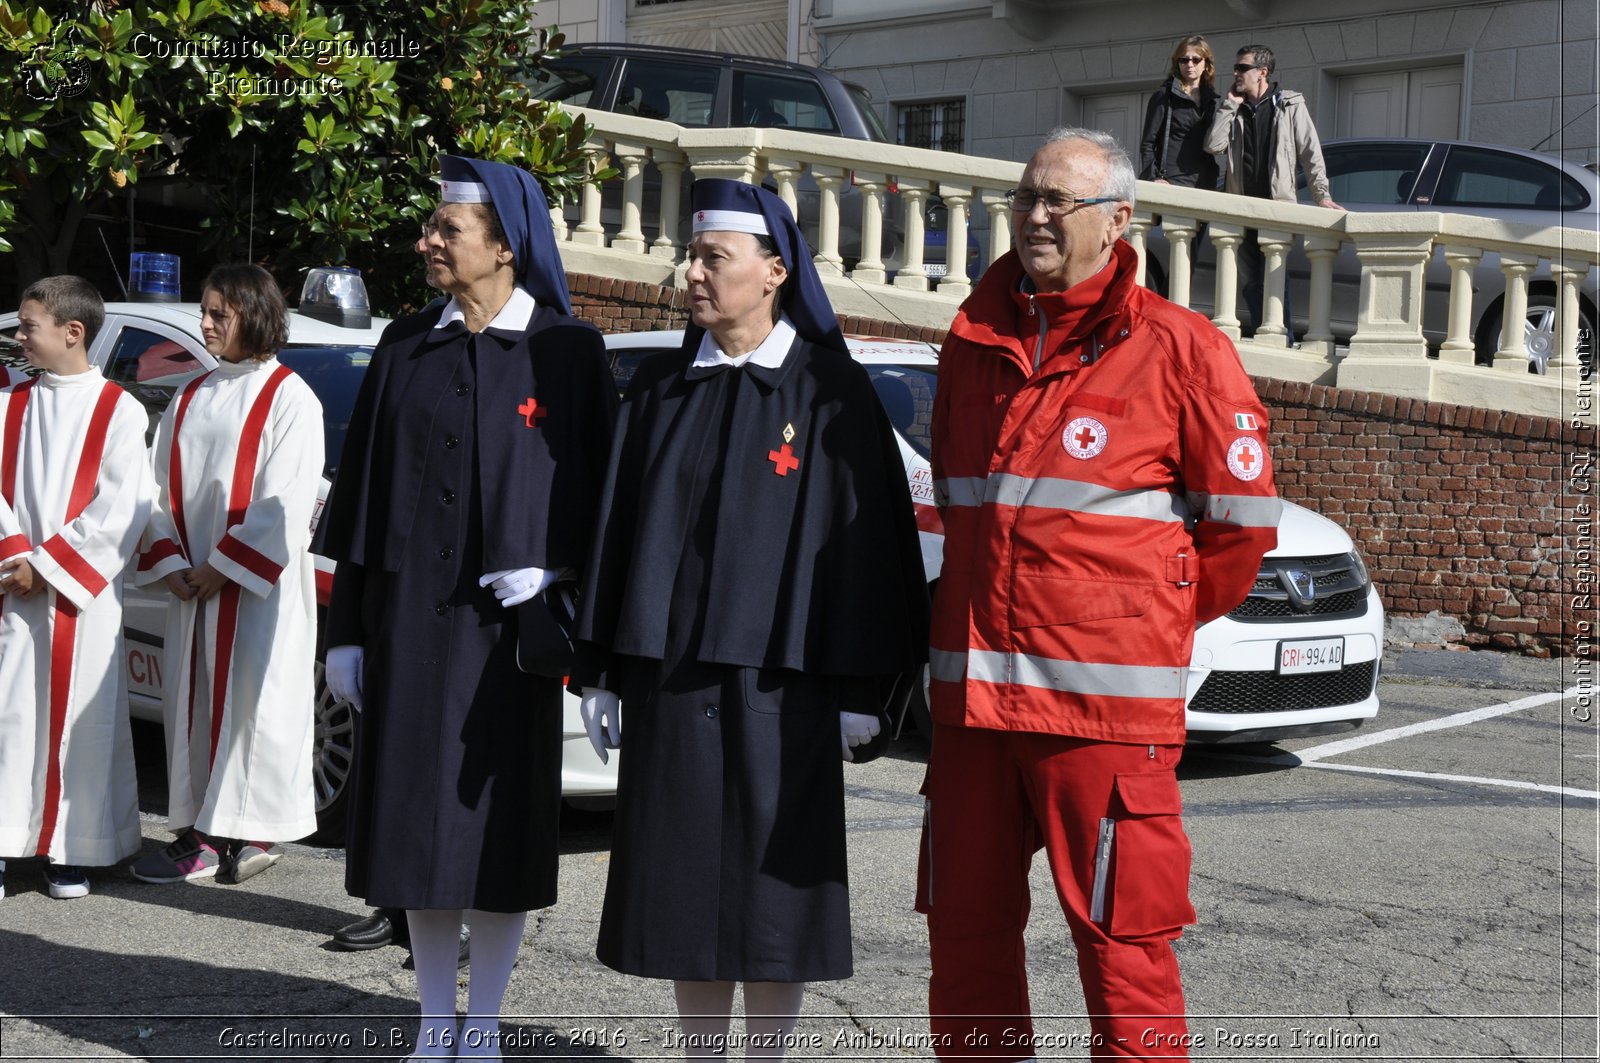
(67, 787)
(238, 491)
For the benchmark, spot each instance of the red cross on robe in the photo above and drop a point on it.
(783, 460)
(532, 411)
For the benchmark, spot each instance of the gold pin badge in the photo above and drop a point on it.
(788, 433)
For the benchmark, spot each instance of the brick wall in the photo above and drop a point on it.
(1483, 516)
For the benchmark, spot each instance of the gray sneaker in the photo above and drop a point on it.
(247, 859)
(189, 859)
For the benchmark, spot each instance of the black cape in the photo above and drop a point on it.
(539, 484)
(816, 569)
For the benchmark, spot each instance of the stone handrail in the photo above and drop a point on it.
(1387, 350)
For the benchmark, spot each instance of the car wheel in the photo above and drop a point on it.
(1538, 333)
(333, 747)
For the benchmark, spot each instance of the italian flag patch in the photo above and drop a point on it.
(1245, 422)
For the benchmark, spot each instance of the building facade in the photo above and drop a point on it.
(989, 77)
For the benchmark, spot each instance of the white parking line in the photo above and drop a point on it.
(1316, 755)
(1460, 719)
(1513, 784)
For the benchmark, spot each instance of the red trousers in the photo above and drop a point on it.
(995, 798)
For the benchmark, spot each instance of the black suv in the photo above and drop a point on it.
(719, 89)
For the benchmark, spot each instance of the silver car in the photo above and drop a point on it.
(1399, 175)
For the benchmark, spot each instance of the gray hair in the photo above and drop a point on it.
(1120, 174)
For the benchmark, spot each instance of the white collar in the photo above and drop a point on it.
(513, 317)
(769, 354)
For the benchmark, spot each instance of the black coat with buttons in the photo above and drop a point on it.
(466, 454)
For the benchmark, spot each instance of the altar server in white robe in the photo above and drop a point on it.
(238, 463)
(75, 494)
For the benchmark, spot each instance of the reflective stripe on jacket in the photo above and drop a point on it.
(1095, 508)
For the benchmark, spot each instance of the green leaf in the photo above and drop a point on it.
(98, 140)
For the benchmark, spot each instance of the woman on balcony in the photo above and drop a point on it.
(1172, 149)
(756, 572)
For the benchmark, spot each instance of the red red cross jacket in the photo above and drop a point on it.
(1100, 457)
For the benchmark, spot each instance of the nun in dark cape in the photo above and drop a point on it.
(756, 576)
(467, 485)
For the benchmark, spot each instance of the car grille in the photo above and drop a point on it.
(1248, 692)
(1338, 590)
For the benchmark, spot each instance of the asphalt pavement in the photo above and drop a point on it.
(1423, 888)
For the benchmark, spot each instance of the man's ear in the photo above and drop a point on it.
(1117, 222)
(75, 334)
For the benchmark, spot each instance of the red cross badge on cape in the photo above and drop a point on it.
(532, 411)
(1246, 458)
(1084, 438)
(783, 459)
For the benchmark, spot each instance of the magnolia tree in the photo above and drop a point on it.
(306, 133)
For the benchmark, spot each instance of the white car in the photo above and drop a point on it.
(1298, 657)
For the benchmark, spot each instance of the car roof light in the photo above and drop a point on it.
(337, 295)
(153, 277)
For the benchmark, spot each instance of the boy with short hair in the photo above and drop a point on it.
(75, 495)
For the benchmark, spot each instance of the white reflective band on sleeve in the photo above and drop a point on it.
(1244, 511)
(1076, 677)
(961, 490)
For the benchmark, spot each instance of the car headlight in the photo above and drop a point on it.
(1359, 567)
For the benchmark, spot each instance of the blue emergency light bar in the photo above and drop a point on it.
(153, 277)
(337, 295)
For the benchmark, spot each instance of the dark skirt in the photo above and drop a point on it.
(456, 791)
(728, 846)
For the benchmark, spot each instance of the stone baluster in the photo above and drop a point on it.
(957, 199)
(829, 180)
(1226, 238)
(1458, 347)
(786, 172)
(999, 211)
(869, 268)
(1275, 245)
(1568, 276)
(1181, 233)
(631, 159)
(1321, 250)
(1513, 353)
(670, 164)
(1138, 230)
(914, 195)
(590, 231)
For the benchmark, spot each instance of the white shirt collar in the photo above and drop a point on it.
(768, 355)
(513, 317)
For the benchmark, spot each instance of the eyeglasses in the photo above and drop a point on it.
(450, 232)
(1191, 59)
(1245, 68)
(1056, 204)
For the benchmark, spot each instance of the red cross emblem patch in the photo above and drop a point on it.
(532, 411)
(1246, 458)
(1084, 438)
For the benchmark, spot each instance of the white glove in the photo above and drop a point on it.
(856, 729)
(342, 669)
(602, 718)
(513, 586)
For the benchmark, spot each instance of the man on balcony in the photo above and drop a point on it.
(1100, 459)
(1264, 131)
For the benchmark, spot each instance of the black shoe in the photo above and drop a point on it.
(464, 958)
(385, 926)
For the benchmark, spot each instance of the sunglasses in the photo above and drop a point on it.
(1245, 68)
(1191, 59)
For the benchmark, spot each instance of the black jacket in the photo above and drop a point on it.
(1173, 144)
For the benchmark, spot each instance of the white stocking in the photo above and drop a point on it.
(703, 1011)
(770, 1011)
(496, 937)
(436, 948)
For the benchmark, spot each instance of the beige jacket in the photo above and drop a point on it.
(1294, 139)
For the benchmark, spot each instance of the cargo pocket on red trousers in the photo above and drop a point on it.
(1150, 857)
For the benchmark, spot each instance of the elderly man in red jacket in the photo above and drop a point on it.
(1101, 460)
